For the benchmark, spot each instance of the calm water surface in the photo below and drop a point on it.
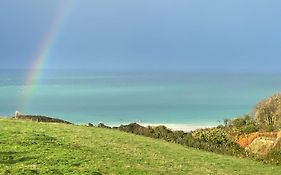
(148, 97)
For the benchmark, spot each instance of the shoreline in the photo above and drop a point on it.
(172, 126)
(180, 127)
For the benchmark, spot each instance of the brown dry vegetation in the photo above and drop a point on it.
(261, 145)
(246, 140)
(268, 112)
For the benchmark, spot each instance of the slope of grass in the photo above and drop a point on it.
(40, 148)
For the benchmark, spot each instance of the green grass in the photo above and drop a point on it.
(41, 148)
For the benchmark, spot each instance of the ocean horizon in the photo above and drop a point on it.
(145, 97)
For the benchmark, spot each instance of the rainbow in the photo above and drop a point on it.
(42, 55)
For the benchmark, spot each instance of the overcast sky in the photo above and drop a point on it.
(185, 35)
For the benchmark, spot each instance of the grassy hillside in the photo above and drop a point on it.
(40, 148)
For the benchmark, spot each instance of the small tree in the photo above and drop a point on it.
(268, 111)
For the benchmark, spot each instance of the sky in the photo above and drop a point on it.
(176, 35)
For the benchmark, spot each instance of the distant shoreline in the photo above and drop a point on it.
(172, 126)
(180, 127)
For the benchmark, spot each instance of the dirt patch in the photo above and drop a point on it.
(261, 145)
(246, 140)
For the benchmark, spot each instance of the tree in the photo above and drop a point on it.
(268, 111)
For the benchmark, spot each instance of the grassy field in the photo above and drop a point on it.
(41, 148)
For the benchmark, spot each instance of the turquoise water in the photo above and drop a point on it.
(148, 97)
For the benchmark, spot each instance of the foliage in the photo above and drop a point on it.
(274, 156)
(159, 132)
(241, 121)
(40, 118)
(40, 148)
(216, 140)
(268, 112)
(222, 139)
(212, 139)
(213, 135)
(242, 125)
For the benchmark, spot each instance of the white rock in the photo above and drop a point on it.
(17, 114)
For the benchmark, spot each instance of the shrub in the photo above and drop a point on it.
(215, 140)
(250, 128)
(268, 112)
(274, 156)
(213, 135)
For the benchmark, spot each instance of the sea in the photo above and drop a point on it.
(148, 97)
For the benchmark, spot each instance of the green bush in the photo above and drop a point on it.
(228, 149)
(213, 135)
(218, 139)
(250, 128)
(242, 125)
(274, 156)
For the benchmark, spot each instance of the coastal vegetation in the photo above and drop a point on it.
(268, 113)
(60, 147)
(251, 136)
(39, 118)
(28, 147)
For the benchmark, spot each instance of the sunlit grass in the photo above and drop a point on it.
(40, 148)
